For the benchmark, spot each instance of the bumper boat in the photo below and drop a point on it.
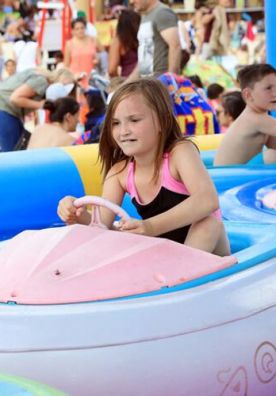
(15, 386)
(95, 312)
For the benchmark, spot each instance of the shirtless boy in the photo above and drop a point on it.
(254, 128)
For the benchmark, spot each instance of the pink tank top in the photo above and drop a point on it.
(168, 182)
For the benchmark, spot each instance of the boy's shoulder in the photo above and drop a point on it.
(250, 117)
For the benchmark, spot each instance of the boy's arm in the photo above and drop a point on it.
(266, 125)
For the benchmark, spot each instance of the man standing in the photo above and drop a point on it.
(159, 48)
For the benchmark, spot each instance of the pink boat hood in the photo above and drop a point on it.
(80, 263)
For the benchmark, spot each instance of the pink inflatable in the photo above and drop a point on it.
(79, 263)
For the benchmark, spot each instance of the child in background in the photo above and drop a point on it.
(59, 58)
(214, 92)
(196, 80)
(254, 128)
(94, 117)
(144, 153)
(9, 68)
(230, 107)
(63, 116)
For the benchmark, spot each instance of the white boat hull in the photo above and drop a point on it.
(215, 339)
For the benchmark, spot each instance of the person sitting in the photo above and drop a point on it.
(254, 128)
(143, 152)
(63, 116)
(196, 80)
(94, 117)
(214, 92)
(230, 107)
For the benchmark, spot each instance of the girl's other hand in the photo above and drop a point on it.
(134, 226)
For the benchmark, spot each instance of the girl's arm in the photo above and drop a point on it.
(114, 58)
(114, 191)
(23, 97)
(185, 165)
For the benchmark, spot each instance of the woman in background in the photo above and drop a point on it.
(80, 54)
(63, 116)
(123, 49)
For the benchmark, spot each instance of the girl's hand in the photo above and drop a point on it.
(134, 226)
(70, 214)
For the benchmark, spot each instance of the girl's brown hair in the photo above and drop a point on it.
(158, 99)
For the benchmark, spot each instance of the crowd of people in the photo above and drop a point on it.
(137, 101)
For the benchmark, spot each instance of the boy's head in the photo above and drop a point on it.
(258, 86)
(249, 75)
(230, 107)
(214, 91)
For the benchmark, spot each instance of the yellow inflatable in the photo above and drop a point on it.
(208, 142)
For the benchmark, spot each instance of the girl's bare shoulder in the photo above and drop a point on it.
(183, 146)
(119, 170)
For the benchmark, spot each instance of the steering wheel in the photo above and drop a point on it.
(96, 202)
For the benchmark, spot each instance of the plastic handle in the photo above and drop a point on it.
(96, 202)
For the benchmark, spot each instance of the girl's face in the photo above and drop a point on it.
(225, 120)
(79, 30)
(135, 127)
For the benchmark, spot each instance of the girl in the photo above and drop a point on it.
(144, 153)
(63, 116)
